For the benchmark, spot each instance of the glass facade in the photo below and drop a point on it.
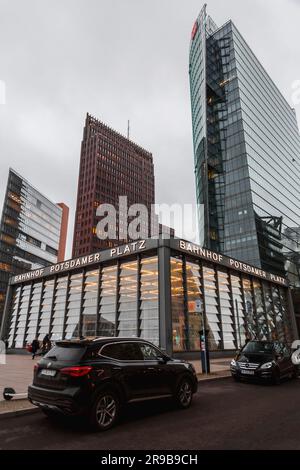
(122, 297)
(29, 233)
(149, 308)
(247, 153)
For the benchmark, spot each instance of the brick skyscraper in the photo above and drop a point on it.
(110, 166)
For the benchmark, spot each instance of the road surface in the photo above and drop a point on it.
(224, 415)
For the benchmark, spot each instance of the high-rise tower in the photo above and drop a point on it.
(246, 151)
(33, 232)
(111, 165)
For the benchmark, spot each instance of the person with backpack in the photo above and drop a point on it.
(46, 344)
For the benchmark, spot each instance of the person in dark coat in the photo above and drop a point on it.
(35, 346)
(46, 343)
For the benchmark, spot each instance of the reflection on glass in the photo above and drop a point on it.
(15, 304)
(249, 317)
(193, 283)
(238, 307)
(211, 308)
(263, 333)
(44, 322)
(59, 308)
(226, 310)
(177, 302)
(33, 312)
(285, 314)
(73, 306)
(127, 317)
(269, 311)
(278, 314)
(108, 299)
(149, 316)
(89, 319)
(22, 317)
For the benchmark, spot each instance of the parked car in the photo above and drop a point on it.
(96, 377)
(263, 360)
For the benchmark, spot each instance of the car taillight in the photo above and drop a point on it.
(76, 371)
(35, 369)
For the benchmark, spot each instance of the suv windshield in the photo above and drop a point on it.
(66, 353)
(258, 347)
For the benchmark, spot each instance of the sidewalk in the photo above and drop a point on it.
(18, 371)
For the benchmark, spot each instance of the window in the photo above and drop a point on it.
(149, 352)
(123, 351)
(286, 351)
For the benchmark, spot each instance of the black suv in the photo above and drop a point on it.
(96, 377)
(263, 360)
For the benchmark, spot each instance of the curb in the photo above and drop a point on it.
(211, 379)
(12, 414)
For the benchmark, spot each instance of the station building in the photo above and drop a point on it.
(157, 289)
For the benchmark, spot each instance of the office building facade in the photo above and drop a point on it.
(32, 233)
(246, 152)
(151, 289)
(110, 166)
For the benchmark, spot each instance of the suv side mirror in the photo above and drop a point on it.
(161, 359)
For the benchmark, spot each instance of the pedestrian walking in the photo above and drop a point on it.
(35, 346)
(46, 344)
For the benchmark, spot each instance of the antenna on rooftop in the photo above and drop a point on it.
(128, 129)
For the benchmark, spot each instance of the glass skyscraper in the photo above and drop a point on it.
(246, 150)
(32, 232)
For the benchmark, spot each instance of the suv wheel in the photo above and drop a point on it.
(184, 393)
(105, 410)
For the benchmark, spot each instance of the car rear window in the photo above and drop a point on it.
(123, 351)
(66, 353)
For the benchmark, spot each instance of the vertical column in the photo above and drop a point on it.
(52, 305)
(117, 296)
(81, 304)
(98, 300)
(291, 313)
(219, 307)
(138, 300)
(244, 306)
(66, 306)
(263, 301)
(40, 308)
(28, 309)
(202, 290)
(185, 304)
(165, 305)
(254, 309)
(237, 338)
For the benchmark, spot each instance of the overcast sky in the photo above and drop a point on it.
(118, 60)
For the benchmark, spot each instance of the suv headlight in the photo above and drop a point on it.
(267, 365)
(233, 363)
